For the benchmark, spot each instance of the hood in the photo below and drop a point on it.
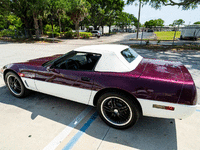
(162, 70)
(40, 61)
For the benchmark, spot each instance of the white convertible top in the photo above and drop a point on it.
(111, 60)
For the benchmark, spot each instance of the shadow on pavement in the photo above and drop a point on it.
(148, 133)
(3, 42)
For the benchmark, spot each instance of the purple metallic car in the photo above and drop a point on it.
(122, 84)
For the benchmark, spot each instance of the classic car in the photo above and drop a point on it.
(122, 84)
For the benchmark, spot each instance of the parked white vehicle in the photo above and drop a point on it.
(96, 33)
(191, 32)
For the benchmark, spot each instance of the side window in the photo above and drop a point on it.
(129, 54)
(79, 61)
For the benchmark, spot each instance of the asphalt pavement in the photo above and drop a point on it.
(41, 122)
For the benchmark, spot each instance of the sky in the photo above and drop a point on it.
(167, 13)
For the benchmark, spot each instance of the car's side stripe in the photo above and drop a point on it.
(76, 94)
(60, 137)
(76, 137)
(198, 110)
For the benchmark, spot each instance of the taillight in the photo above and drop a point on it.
(21, 74)
(163, 107)
(1, 70)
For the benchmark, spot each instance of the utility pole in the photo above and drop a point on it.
(138, 20)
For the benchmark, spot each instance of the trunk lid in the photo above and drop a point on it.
(163, 70)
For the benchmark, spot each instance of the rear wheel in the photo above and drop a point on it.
(15, 85)
(117, 110)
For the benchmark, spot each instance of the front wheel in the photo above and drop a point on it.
(15, 85)
(117, 110)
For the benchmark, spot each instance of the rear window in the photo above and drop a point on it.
(129, 54)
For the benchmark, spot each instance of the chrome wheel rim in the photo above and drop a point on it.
(116, 111)
(14, 85)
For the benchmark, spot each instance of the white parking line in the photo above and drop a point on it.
(59, 138)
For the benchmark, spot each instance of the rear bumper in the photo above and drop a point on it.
(180, 111)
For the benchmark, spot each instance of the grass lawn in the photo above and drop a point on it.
(167, 47)
(167, 35)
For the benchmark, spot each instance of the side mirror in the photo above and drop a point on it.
(49, 68)
(52, 70)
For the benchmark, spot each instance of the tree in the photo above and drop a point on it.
(178, 22)
(160, 22)
(154, 23)
(4, 7)
(104, 12)
(96, 14)
(56, 10)
(79, 10)
(123, 20)
(20, 8)
(185, 4)
(110, 18)
(35, 9)
(198, 22)
(15, 22)
(134, 20)
(3, 22)
(150, 23)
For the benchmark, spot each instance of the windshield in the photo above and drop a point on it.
(59, 59)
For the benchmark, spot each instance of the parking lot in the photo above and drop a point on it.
(46, 122)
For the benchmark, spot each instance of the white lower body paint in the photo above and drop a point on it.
(180, 111)
(59, 138)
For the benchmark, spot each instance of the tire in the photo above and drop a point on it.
(117, 110)
(181, 37)
(15, 85)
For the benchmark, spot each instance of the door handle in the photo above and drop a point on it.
(85, 79)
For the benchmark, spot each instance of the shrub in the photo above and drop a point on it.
(7, 32)
(55, 34)
(68, 29)
(48, 28)
(69, 34)
(85, 35)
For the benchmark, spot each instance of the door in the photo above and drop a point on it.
(69, 79)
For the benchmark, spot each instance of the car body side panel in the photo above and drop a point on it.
(139, 87)
(28, 72)
(152, 80)
(189, 91)
(67, 84)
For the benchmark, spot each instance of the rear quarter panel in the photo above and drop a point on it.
(139, 87)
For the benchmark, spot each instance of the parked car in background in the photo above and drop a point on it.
(122, 84)
(190, 32)
(150, 30)
(96, 33)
